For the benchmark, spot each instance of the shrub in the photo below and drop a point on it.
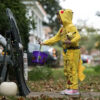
(40, 73)
(97, 68)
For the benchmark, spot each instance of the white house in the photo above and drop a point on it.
(36, 12)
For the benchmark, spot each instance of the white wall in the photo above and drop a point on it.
(34, 12)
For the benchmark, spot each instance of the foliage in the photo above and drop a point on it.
(33, 24)
(91, 41)
(88, 41)
(89, 36)
(98, 13)
(90, 29)
(19, 12)
(97, 44)
(40, 73)
(97, 68)
(51, 7)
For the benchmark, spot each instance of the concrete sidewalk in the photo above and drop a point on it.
(58, 95)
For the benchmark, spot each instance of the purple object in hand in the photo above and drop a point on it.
(39, 57)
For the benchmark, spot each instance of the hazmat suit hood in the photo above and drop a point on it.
(66, 16)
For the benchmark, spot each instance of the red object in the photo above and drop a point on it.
(62, 11)
(61, 30)
(69, 82)
(87, 60)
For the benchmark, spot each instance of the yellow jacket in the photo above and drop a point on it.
(66, 17)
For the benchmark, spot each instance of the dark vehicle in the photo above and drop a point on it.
(86, 58)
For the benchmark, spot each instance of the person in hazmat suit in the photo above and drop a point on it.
(69, 36)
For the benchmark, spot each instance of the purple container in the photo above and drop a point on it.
(39, 57)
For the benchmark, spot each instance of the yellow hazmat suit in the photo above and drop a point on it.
(73, 68)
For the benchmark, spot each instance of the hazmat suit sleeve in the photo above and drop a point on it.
(54, 39)
(76, 37)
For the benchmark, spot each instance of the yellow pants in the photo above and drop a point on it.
(73, 68)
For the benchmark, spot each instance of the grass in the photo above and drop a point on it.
(56, 79)
(45, 73)
(52, 79)
(40, 73)
(57, 73)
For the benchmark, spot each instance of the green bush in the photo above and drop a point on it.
(40, 73)
(97, 68)
(19, 11)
